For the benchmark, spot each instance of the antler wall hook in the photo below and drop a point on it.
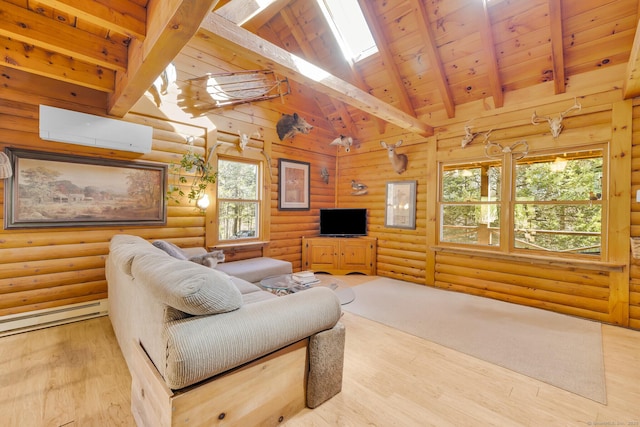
(555, 123)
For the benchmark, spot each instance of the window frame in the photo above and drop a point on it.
(260, 202)
(508, 203)
(340, 33)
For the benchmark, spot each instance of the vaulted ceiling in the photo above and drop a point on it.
(434, 55)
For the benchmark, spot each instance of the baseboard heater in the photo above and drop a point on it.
(24, 322)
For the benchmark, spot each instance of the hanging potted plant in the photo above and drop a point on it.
(196, 168)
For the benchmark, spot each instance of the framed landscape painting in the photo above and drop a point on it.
(59, 190)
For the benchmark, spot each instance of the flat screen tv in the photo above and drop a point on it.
(343, 222)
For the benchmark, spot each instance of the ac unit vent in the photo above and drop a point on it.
(72, 127)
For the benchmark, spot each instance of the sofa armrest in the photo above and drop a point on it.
(200, 347)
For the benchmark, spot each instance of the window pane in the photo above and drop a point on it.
(237, 220)
(471, 183)
(349, 26)
(571, 177)
(559, 227)
(237, 180)
(471, 224)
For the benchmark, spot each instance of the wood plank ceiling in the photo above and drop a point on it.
(434, 55)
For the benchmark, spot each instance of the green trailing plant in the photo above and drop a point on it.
(193, 168)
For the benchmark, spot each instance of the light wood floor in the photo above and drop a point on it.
(74, 375)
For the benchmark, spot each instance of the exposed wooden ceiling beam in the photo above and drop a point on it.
(631, 87)
(429, 42)
(308, 51)
(383, 48)
(226, 34)
(170, 26)
(36, 60)
(557, 45)
(122, 17)
(242, 11)
(20, 24)
(260, 19)
(486, 34)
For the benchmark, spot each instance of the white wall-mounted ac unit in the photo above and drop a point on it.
(57, 124)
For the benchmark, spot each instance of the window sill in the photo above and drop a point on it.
(538, 260)
(240, 246)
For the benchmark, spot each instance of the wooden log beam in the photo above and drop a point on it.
(63, 39)
(296, 30)
(242, 11)
(383, 42)
(631, 87)
(126, 18)
(488, 44)
(170, 26)
(557, 46)
(224, 33)
(429, 42)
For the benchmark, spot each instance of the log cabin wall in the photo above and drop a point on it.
(53, 267)
(401, 253)
(590, 291)
(606, 292)
(42, 268)
(634, 272)
(286, 228)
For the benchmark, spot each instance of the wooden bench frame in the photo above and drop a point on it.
(264, 392)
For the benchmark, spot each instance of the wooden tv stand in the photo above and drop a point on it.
(339, 255)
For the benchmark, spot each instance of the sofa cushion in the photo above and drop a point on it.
(124, 247)
(243, 286)
(255, 269)
(210, 259)
(186, 286)
(171, 249)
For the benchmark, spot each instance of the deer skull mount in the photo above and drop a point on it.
(494, 150)
(469, 136)
(244, 139)
(555, 123)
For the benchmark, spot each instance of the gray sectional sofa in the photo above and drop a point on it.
(183, 326)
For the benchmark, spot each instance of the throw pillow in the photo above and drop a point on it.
(170, 248)
(186, 286)
(210, 259)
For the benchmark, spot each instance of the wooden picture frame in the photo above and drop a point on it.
(60, 190)
(400, 205)
(294, 185)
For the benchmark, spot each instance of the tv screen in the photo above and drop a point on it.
(344, 222)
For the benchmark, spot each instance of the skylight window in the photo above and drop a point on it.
(347, 22)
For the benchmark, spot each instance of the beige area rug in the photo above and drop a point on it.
(560, 350)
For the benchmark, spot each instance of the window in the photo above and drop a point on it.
(349, 27)
(554, 203)
(238, 199)
(470, 209)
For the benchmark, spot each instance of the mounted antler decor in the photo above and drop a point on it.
(468, 135)
(518, 149)
(555, 124)
(244, 139)
(398, 161)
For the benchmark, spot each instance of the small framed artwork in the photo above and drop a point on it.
(60, 190)
(294, 185)
(400, 210)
